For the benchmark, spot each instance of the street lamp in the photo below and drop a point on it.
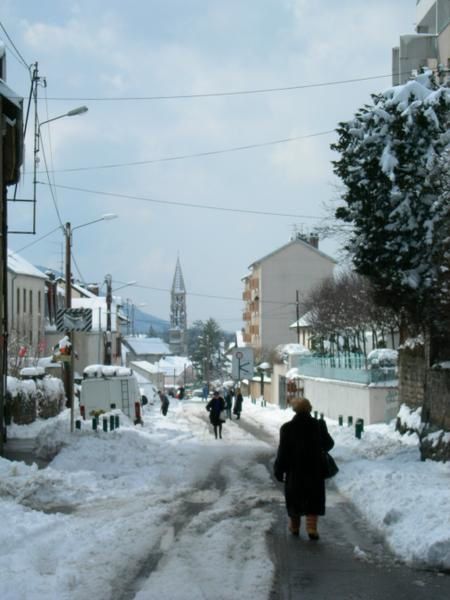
(68, 230)
(37, 136)
(263, 368)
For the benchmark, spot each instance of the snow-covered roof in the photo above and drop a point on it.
(147, 345)
(304, 321)
(17, 264)
(171, 365)
(144, 365)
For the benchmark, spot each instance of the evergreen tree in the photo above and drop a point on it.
(391, 163)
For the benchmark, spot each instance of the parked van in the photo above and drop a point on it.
(107, 387)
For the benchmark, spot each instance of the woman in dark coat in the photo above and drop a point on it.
(238, 399)
(215, 406)
(299, 463)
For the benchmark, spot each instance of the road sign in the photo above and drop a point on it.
(242, 363)
(74, 319)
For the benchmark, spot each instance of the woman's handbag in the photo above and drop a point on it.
(330, 468)
(223, 416)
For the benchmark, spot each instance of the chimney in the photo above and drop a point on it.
(314, 240)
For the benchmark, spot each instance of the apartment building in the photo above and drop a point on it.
(273, 285)
(429, 46)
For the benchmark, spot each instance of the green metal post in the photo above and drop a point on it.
(350, 421)
(78, 424)
(94, 423)
(358, 430)
(111, 422)
(316, 414)
(341, 420)
(105, 424)
(116, 421)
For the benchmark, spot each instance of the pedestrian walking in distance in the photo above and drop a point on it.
(238, 399)
(229, 402)
(215, 407)
(164, 402)
(299, 463)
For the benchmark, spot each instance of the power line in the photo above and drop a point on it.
(19, 55)
(197, 294)
(183, 204)
(221, 94)
(198, 154)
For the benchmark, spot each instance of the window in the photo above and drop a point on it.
(39, 302)
(24, 301)
(31, 302)
(18, 302)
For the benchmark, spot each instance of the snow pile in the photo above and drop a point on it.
(151, 511)
(106, 371)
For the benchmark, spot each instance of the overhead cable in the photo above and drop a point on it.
(182, 204)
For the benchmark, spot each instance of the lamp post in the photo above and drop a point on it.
(262, 368)
(68, 379)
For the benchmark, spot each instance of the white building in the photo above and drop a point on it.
(429, 46)
(26, 304)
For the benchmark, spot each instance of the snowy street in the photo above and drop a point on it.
(166, 511)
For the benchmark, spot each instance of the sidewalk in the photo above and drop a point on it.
(349, 562)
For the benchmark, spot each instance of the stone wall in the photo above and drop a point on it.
(411, 378)
(429, 388)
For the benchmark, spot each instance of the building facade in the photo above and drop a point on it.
(26, 305)
(429, 46)
(275, 286)
(178, 317)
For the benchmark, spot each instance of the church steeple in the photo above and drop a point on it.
(178, 319)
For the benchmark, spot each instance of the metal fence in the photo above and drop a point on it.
(345, 368)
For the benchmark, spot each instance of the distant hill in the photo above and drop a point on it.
(142, 321)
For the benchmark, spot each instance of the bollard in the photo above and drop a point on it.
(315, 414)
(137, 412)
(78, 424)
(83, 412)
(116, 421)
(112, 406)
(341, 420)
(361, 421)
(358, 429)
(321, 416)
(350, 421)
(94, 423)
(105, 424)
(111, 422)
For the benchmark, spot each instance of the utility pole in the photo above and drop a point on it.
(297, 306)
(11, 151)
(108, 353)
(69, 366)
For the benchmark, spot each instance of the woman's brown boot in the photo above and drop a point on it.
(294, 525)
(311, 527)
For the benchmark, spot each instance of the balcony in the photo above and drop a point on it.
(247, 338)
(254, 283)
(254, 306)
(246, 316)
(254, 329)
(246, 295)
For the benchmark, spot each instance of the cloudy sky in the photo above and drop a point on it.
(126, 62)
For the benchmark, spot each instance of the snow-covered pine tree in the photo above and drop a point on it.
(393, 163)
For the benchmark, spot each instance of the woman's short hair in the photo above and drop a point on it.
(301, 405)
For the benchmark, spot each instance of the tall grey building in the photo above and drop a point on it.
(429, 46)
(178, 319)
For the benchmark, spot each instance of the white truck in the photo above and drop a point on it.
(107, 387)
